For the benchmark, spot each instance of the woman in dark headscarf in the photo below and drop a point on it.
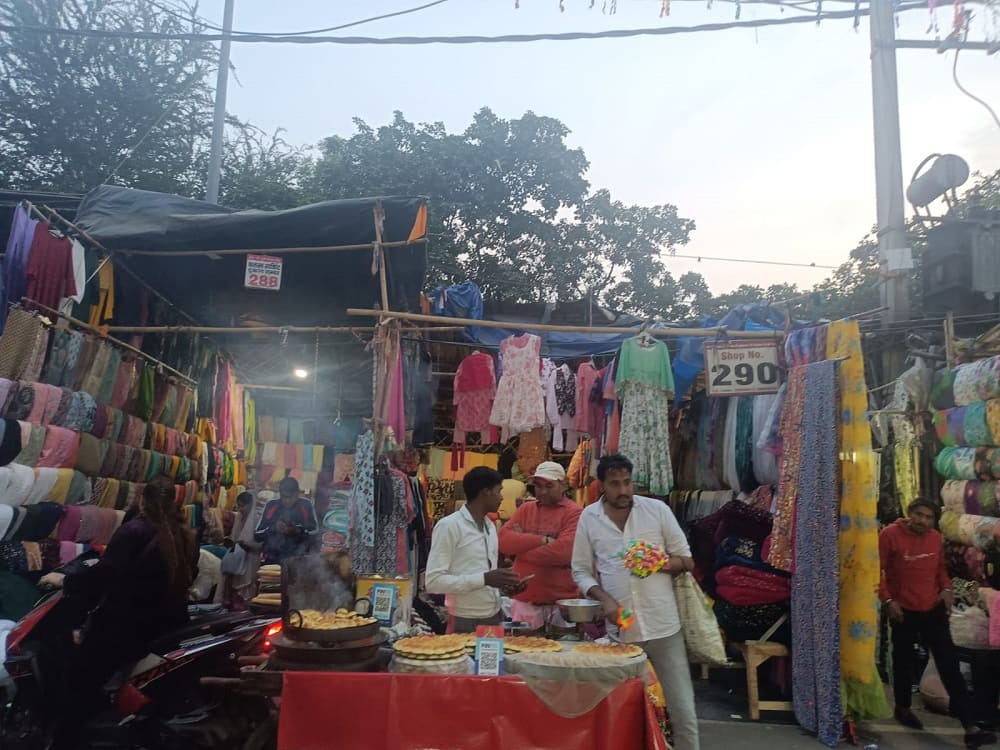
(139, 587)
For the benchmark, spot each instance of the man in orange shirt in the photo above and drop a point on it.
(540, 538)
(916, 594)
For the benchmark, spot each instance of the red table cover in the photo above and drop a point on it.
(353, 711)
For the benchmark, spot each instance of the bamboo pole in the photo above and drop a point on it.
(117, 342)
(658, 332)
(266, 329)
(949, 338)
(269, 250)
(260, 387)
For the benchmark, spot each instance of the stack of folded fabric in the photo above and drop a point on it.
(750, 594)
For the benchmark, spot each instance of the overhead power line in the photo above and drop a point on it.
(460, 40)
(178, 13)
(752, 260)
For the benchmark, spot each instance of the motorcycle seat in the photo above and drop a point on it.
(196, 628)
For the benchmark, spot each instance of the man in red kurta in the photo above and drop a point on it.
(540, 538)
(916, 593)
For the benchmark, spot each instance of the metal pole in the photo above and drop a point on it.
(890, 203)
(219, 122)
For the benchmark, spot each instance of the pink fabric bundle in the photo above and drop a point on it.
(745, 587)
(61, 448)
(97, 525)
(47, 397)
(69, 526)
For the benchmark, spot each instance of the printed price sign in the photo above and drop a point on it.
(489, 657)
(741, 368)
(383, 599)
(263, 272)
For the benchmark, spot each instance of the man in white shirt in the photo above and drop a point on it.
(464, 555)
(605, 528)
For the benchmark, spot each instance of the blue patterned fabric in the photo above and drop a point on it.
(816, 584)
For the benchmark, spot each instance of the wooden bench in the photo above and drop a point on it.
(756, 653)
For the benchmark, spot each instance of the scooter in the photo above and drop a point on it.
(156, 703)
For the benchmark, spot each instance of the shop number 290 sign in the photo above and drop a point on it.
(263, 272)
(741, 368)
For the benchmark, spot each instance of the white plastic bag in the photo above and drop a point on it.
(932, 692)
(698, 623)
(970, 627)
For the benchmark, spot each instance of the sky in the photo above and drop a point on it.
(762, 137)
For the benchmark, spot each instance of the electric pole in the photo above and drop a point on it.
(893, 250)
(219, 121)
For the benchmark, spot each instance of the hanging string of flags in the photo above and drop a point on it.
(960, 19)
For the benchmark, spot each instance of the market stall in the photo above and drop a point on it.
(265, 378)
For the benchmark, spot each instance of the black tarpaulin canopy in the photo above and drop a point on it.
(162, 231)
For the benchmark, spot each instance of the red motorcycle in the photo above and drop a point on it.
(156, 703)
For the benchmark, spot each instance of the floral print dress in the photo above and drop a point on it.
(645, 384)
(519, 405)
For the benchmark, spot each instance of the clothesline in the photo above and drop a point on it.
(117, 342)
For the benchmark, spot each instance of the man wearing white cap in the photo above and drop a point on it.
(540, 538)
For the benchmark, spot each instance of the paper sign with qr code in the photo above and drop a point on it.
(383, 599)
(489, 657)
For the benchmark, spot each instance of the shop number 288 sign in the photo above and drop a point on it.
(263, 272)
(741, 368)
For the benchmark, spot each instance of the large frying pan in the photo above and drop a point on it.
(293, 629)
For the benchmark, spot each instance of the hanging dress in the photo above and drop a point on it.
(519, 405)
(560, 404)
(645, 384)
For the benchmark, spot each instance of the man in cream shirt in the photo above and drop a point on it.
(464, 555)
(605, 528)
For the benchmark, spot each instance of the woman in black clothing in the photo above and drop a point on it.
(139, 588)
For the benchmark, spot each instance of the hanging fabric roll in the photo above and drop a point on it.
(816, 637)
(858, 538)
(765, 463)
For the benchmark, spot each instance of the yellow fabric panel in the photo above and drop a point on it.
(858, 540)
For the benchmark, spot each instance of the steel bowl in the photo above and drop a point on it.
(579, 610)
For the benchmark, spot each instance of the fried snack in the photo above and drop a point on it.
(315, 620)
(529, 645)
(620, 650)
(431, 646)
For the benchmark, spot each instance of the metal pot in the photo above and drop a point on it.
(350, 652)
(579, 610)
(294, 630)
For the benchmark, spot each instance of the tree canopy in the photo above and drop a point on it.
(510, 202)
(511, 208)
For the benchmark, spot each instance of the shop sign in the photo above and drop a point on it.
(741, 368)
(263, 272)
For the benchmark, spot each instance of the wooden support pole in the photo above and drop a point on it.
(949, 338)
(167, 254)
(266, 329)
(657, 332)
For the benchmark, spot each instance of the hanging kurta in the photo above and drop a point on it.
(859, 555)
(645, 383)
(560, 404)
(519, 405)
